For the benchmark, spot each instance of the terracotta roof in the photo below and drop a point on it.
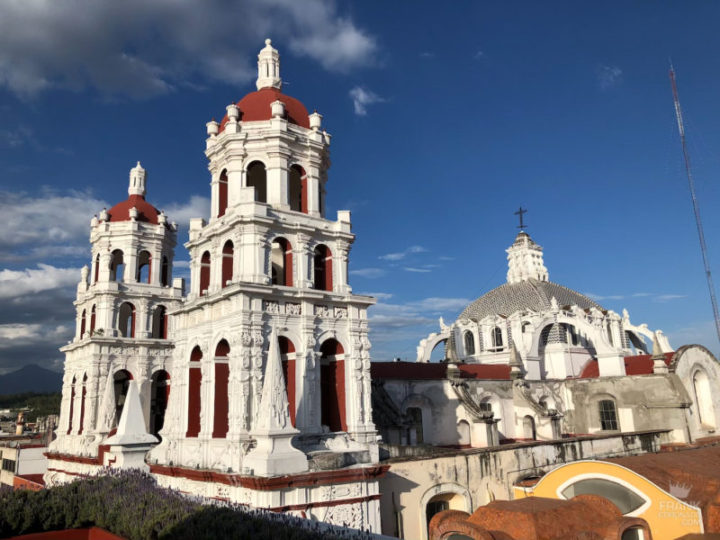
(538, 518)
(640, 364)
(146, 211)
(434, 371)
(34, 478)
(692, 475)
(256, 107)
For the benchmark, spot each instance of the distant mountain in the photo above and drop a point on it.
(31, 378)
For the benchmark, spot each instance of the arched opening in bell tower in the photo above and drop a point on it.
(257, 178)
(92, 320)
(222, 378)
(287, 355)
(332, 386)
(144, 266)
(165, 272)
(117, 265)
(72, 405)
(96, 270)
(82, 324)
(126, 320)
(322, 264)
(281, 262)
(83, 396)
(159, 323)
(227, 263)
(159, 397)
(297, 192)
(222, 194)
(194, 387)
(121, 380)
(204, 272)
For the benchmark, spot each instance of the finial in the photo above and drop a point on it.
(268, 42)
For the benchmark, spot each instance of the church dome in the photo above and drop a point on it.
(529, 294)
(528, 286)
(146, 211)
(256, 106)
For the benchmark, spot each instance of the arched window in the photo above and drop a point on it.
(96, 270)
(144, 267)
(287, 355)
(415, 417)
(282, 262)
(463, 428)
(122, 380)
(627, 500)
(222, 377)
(204, 272)
(159, 397)
(529, 428)
(332, 385)
(703, 399)
(194, 387)
(92, 320)
(72, 406)
(227, 263)
(159, 323)
(497, 338)
(117, 266)
(222, 194)
(571, 335)
(322, 263)
(165, 272)
(608, 415)
(126, 320)
(83, 396)
(257, 178)
(298, 189)
(469, 343)
(82, 324)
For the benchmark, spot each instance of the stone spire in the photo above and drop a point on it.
(137, 180)
(274, 453)
(516, 365)
(268, 68)
(131, 441)
(525, 260)
(658, 358)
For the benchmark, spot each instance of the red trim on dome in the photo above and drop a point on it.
(255, 107)
(146, 211)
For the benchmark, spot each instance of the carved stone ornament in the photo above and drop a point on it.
(341, 313)
(322, 311)
(246, 338)
(293, 309)
(270, 306)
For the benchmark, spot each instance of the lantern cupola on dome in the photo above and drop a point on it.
(269, 67)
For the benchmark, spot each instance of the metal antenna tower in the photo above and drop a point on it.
(696, 209)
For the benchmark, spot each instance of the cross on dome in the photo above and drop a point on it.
(268, 67)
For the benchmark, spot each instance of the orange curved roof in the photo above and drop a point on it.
(256, 107)
(146, 211)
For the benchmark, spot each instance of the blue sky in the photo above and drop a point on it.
(445, 118)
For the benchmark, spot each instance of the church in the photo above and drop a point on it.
(253, 383)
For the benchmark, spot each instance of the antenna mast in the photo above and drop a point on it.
(696, 209)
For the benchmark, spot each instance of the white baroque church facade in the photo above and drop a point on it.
(269, 345)
(254, 384)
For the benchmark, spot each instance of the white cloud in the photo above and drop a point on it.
(598, 297)
(140, 49)
(377, 295)
(362, 98)
(182, 213)
(370, 273)
(655, 297)
(402, 254)
(16, 283)
(39, 225)
(417, 270)
(12, 335)
(668, 297)
(609, 76)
